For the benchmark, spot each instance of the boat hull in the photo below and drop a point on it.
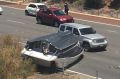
(55, 61)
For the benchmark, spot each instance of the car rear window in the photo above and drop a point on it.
(32, 5)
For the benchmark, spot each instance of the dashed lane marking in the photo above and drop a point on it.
(112, 31)
(12, 7)
(15, 21)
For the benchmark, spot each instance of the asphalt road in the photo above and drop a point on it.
(104, 63)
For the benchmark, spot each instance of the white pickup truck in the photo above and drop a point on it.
(90, 38)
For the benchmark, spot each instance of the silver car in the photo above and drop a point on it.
(1, 10)
(90, 38)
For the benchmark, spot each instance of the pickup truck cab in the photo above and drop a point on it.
(54, 16)
(90, 38)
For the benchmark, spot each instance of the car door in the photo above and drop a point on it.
(32, 9)
(76, 32)
(48, 17)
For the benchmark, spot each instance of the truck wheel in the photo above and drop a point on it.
(86, 47)
(56, 24)
(103, 48)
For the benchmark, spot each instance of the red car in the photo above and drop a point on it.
(54, 16)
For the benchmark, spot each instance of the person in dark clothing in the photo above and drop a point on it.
(66, 9)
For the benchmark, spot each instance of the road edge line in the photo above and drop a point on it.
(98, 22)
(12, 7)
(82, 74)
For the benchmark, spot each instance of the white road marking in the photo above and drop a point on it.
(12, 7)
(83, 74)
(15, 21)
(118, 67)
(98, 22)
(112, 31)
(13, 13)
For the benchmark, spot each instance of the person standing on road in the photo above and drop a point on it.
(66, 9)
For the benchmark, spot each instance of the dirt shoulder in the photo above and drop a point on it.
(60, 75)
(95, 18)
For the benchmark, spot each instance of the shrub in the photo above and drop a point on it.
(11, 64)
(55, 1)
(93, 4)
(115, 4)
(78, 3)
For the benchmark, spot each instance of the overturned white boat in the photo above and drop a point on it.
(58, 49)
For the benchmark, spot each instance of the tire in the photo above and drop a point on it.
(103, 48)
(56, 24)
(86, 47)
(39, 20)
(26, 12)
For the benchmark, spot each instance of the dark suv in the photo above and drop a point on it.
(54, 16)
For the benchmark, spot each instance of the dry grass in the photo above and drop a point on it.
(11, 64)
(60, 75)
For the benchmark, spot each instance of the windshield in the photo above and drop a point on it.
(59, 12)
(85, 31)
(42, 7)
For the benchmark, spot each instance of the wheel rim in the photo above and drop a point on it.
(86, 47)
